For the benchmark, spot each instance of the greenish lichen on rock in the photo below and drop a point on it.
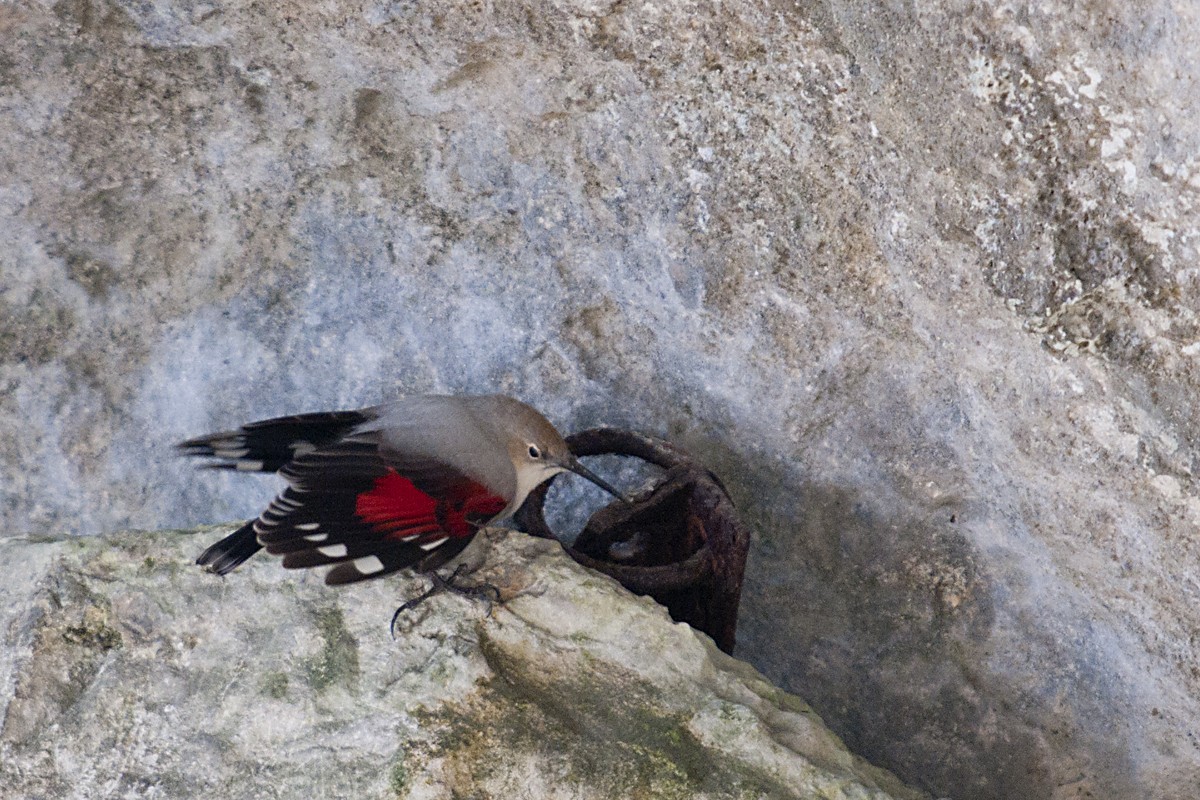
(337, 661)
(611, 727)
(275, 684)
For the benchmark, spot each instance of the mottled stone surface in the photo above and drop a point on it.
(127, 672)
(918, 279)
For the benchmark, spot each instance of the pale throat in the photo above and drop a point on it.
(529, 477)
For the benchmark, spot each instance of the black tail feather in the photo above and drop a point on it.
(227, 554)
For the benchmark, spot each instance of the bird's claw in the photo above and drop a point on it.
(484, 591)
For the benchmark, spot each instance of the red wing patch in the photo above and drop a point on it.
(396, 508)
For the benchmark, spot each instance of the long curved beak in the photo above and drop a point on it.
(572, 463)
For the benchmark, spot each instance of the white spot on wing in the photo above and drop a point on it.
(308, 526)
(248, 465)
(231, 452)
(333, 551)
(368, 565)
(316, 537)
(431, 545)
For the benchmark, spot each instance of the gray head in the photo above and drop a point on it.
(538, 451)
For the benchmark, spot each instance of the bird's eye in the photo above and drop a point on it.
(534, 452)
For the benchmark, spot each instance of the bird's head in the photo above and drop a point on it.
(538, 451)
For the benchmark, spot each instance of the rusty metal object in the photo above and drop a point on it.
(680, 542)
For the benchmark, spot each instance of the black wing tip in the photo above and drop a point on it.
(219, 460)
(210, 441)
(241, 465)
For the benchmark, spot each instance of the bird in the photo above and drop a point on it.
(404, 484)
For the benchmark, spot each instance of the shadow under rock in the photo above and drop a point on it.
(928, 655)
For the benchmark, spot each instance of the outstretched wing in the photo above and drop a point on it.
(370, 515)
(267, 445)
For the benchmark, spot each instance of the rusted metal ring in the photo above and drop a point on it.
(689, 549)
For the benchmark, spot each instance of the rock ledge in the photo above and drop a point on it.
(127, 672)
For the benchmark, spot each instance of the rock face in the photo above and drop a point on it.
(128, 672)
(917, 279)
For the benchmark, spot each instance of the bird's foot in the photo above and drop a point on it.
(484, 591)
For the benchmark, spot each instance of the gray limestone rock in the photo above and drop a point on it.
(919, 280)
(128, 672)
